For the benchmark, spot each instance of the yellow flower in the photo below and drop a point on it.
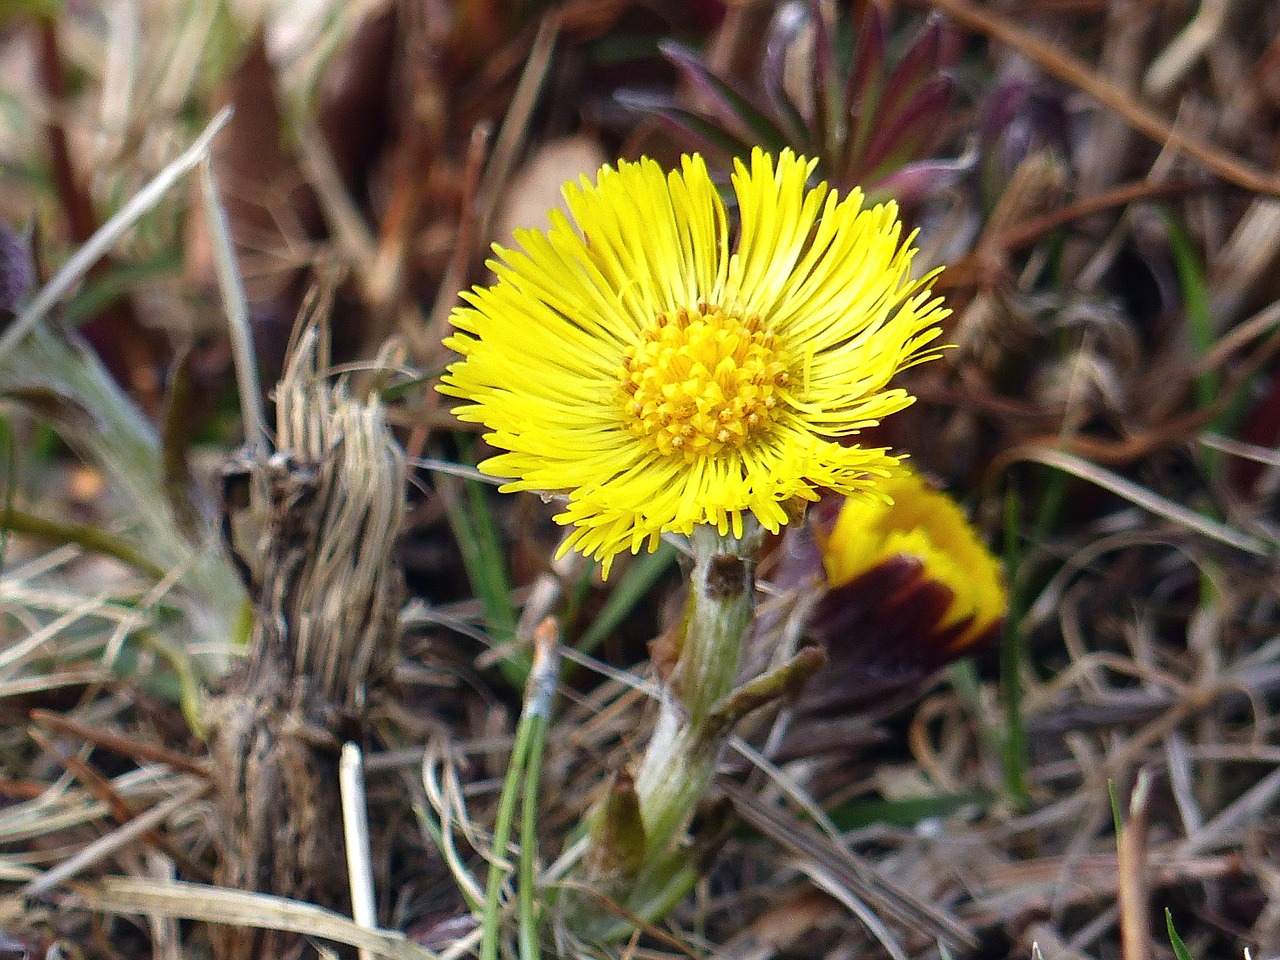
(663, 371)
(918, 553)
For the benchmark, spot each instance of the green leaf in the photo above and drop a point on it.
(1117, 815)
(1179, 948)
(641, 575)
(101, 292)
(906, 812)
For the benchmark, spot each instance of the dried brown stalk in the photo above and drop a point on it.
(316, 549)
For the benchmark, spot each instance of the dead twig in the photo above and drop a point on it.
(131, 747)
(1057, 63)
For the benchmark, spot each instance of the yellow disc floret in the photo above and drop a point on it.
(701, 380)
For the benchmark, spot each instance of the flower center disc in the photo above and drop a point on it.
(702, 380)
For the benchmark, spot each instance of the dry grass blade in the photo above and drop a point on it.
(1037, 885)
(136, 829)
(193, 901)
(1135, 906)
(1219, 832)
(841, 865)
(841, 891)
(236, 304)
(120, 809)
(111, 231)
(1144, 498)
(512, 133)
(126, 746)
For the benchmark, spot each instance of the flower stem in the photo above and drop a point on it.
(681, 758)
(698, 674)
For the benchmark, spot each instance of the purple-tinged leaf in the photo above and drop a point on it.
(950, 43)
(822, 82)
(703, 132)
(1003, 104)
(916, 68)
(17, 272)
(915, 129)
(731, 102)
(915, 182)
(863, 90)
(866, 71)
(1020, 118)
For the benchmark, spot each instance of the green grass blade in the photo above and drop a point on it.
(1195, 299)
(490, 920)
(907, 812)
(524, 771)
(472, 521)
(1179, 948)
(1117, 815)
(527, 888)
(640, 577)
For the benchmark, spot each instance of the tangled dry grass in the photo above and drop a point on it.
(1098, 182)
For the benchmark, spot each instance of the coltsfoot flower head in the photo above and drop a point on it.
(906, 588)
(665, 371)
(918, 556)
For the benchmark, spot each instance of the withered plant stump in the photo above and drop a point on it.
(312, 527)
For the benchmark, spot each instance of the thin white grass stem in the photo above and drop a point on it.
(236, 303)
(355, 832)
(462, 947)
(23, 649)
(443, 799)
(105, 237)
(1246, 451)
(136, 616)
(787, 785)
(1220, 831)
(56, 681)
(454, 470)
